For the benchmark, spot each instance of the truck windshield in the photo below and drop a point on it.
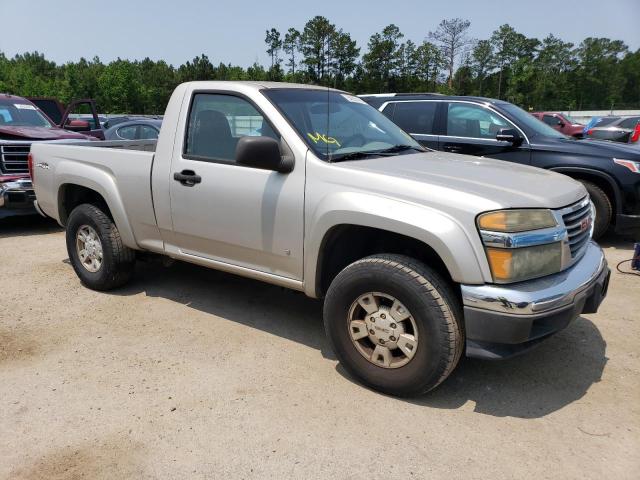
(338, 126)
(16, 114)
(529, 123)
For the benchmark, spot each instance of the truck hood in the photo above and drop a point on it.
(587, 147)
(38, 133)
(483, 181)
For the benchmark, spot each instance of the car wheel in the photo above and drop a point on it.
(603, 206)
(96, 251)
(394, 324)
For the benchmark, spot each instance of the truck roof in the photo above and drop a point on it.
(258, 85)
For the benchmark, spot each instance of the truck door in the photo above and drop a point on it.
(226, 212)
(471, 129)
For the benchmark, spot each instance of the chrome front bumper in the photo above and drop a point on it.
(502, 320)
(16, 197)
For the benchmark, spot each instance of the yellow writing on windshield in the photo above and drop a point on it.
(318, 137)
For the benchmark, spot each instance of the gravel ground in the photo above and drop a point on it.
(192, 373)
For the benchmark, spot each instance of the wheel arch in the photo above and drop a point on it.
(601, 179)
(344, 242)
(74, 192)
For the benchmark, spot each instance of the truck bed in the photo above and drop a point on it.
(118, 170)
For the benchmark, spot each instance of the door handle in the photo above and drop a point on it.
(452, 148)
(188, 178)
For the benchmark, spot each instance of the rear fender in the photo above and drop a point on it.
(101, 181)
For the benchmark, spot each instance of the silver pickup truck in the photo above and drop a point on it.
(420, 256)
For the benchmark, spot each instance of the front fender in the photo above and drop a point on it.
(462, 254)
(101, 181)
(615, 188)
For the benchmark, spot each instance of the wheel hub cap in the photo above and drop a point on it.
(383, 330)
(89, 248)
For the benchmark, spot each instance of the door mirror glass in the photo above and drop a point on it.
(261, 152)
(509, 135)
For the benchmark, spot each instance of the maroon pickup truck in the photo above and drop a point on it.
(21, 124)
(561, 122)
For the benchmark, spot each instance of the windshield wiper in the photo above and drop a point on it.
(356, 155)
(401, 148)
(387, 152)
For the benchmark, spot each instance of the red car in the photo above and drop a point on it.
(21, 124)
(561, 122)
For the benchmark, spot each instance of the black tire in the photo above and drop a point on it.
(433, 305)
(603, 205)
(117, 260)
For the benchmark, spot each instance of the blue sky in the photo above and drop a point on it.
(178, 30)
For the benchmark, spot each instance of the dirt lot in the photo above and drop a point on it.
(191, 373)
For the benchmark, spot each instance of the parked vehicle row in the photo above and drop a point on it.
(421, 256)
(21, 124)
(496, 129)
(37, 119)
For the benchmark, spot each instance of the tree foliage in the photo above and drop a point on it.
(451, 37)
(544, 74)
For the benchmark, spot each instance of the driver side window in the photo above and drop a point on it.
(473, 121)
(217, 122)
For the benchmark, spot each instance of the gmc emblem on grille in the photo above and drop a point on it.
(585, 224)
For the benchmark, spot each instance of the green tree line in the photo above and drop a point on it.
(599, 73)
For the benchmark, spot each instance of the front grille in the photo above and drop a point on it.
(13, 158)
(578, 220)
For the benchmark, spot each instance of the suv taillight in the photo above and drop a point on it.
(636, 134)
(30, 163)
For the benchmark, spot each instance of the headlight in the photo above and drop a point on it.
(630, 164)
(521, 244)
(516, 220)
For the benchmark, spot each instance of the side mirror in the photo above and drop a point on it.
(262, 152)
(560, 123)
(78, 126)
(509, 135)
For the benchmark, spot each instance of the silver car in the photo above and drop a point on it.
(616, 129)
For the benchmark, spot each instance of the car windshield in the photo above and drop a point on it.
(531, 124)
(338, 126)
(16, 114)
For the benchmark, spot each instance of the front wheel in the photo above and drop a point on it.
(603, 206)
(395, 324)
(96, 251)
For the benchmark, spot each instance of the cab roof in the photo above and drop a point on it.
(259, 85)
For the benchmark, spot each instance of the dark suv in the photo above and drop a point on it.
(497, 129)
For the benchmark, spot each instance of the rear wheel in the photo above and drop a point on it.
(603, 206)
(96, 251)
(395, 324)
